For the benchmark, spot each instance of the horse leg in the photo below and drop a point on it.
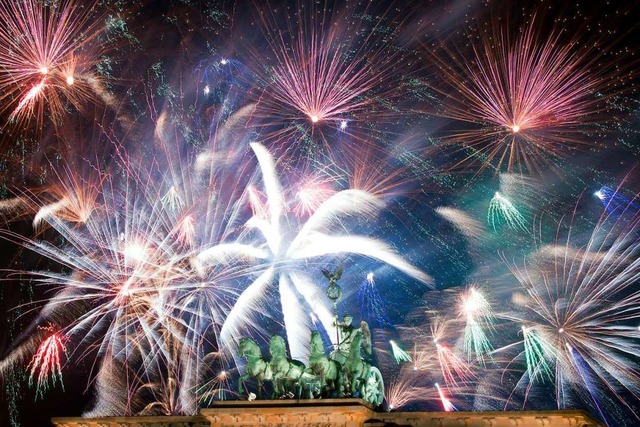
(354, 385)
(355, 380)
(276, 387)
(337, 380)
(240, 383)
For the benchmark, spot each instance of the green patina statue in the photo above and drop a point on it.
(328, 371)
(347, 371)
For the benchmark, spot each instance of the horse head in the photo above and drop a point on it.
(317, 346)
(277, 346)
(356, 342)
(247, 345)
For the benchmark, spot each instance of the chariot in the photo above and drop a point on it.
(346, 372)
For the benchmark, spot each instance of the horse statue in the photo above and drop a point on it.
(355, 368)
(256, 367)
(328, 371)
(287, 373)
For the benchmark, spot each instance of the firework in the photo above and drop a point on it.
(222, 83)
(46, 364)
(423, 358)
(311, 194)
(446, 403)
(129, 284)
(44, 58)
(537, 353)
(310, 241)
(453, 368)
(400, 392)
(529, 99)
(371, 304)
(503, 211)
(478, 316)
(615, 203)
(399, 354)
(327, 80)
(579, 313)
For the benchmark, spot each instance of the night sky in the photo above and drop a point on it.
(471, 165)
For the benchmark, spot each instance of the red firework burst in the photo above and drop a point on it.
(46, 363)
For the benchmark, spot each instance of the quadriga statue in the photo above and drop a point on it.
(350, 376)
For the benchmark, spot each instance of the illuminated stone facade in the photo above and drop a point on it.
(336, 413)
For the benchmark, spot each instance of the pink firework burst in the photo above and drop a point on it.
(43, 56)
(527, 99)
(327, 77)
(45, 364)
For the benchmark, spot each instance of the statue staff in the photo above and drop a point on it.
(334, 292)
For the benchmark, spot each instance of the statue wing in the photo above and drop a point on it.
(334, 276)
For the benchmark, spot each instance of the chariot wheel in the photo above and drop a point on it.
(373, 387)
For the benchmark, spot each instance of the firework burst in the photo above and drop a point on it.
(528, 99)
(44, 58)
(478, 316)
(329, 79)
(372, 306)
(503, 211)
(46, 364)
(579, 314)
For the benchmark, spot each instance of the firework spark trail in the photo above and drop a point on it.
(531, 97)
(218, 388)
(503, 211)
(45, 364)
(615, 203)
(452, 366)
(476, 342)
(471, 228)
(28, 101)
(478, 316)
(400, 392)
(38, 56)
(580, 365)
(537, 355)
(446, 403)
(423, 358)
(399, 353)
(165, 395)
(313, 191)
(372, 306)
(222, 81)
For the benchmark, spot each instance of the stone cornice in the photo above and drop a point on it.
(336, 413)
